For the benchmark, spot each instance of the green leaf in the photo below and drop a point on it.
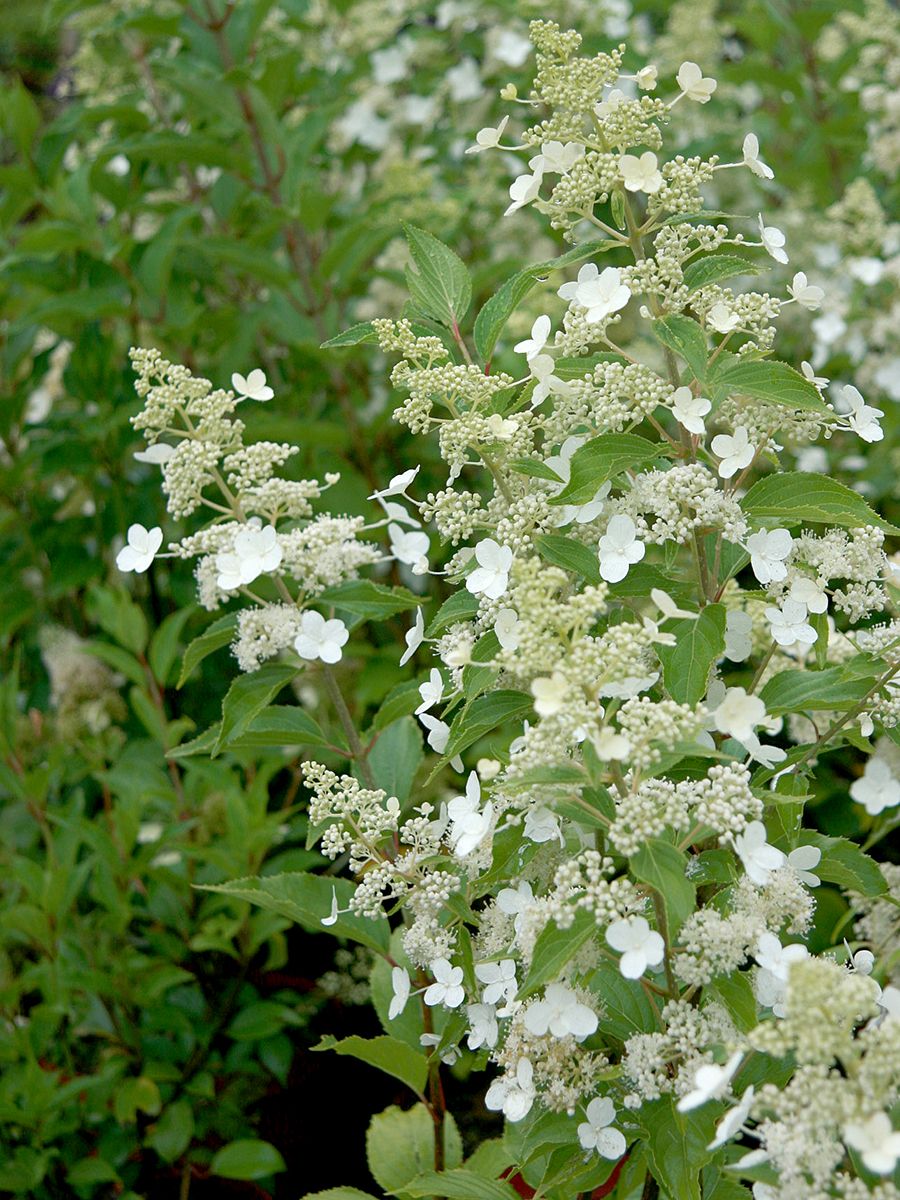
(570, 555)
(280, 725)
(844, 863)
(686, 338)
(795, 496)
(164, 643)
(773, 382)
(400, 1145)
(603, 458)
(357, 335)
(554, 948)
(399, 702)
(483, 715)
(461, 606)
(261, 1020)
(219, 634)
(339, 1193)
(386, 1053)
(716, 267)
(662, 867)
(247, 1158)
(439, 283)
(800, 691)
(372, 601)
(626, 1007)
(678, 1145)
(172, 1133)
(395, 758)
(247, 697)
(306, 899)
(496, 312)
(535, 469)
(698, 643)
(736, 992)
(460, 1184)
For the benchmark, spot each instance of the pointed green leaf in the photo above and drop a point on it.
(554, 948)
(662, 867)
(386, 1053)
(687, 664)
(439, 282)
(763, 379)
(795, 496)
(686, 338)
(219, 634)
(248, 695)
(603, 458)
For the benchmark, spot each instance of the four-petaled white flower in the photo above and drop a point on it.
(488, 138)
(646, 77)
(447, 988)
(640, 946)
(502, 428)
(689, 410)
(772, 240)
(641, 174)
(515, 902)
(431, 691)
(319, 638)
(876, 789)
(733, 1121)
(789, 624)
(802, 861)
(710, 1083)
(722, 318)
(602, 293)
(491, 576)
(805, 293)
(532, 346)
(542, 368)
(611, 746)
(595, 1133)
(252, 386)
(768, 550)
(507, 627)
(739, 714)
(413, 637)
(400, 988)
(523, 190)
(470, 823)
(256, 551)
(693, 84)
(862, 418)
(408, 545)
(561, 1014)
(759, 859)
(398, 484)
(735, 450)
(777, 959)
(619, 548)
(809, 592)
(542, 825)
(586, 273)
(557, 158)
(876, 1141)
(483, 1028)
(549, 693)
(500, 978)
(140, 550)
(753, 161)
(738, 635)
(513, 1093)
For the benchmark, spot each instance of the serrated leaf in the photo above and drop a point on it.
(483, 715)
(248, 695)
(662, 867)
(847, 865)
(687, 664)
(805, 690)
(400, 1145)
(395, 758)
(385, 1053)
(686, 338)
(461, 606)
(372, 601)
(439, 283)
(716, 267)
(219, 634)
(626, 1007)
(534, 468)
(554, 948)
(570, 555)
(678, 1145)
(763, 379)
(460, 1184)
(603, 458)
(400, 701)
(357, 335)
(795, 496)
(280, 725)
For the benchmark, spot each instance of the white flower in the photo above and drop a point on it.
(862, 962)
(141, 549)
(829, 328)
(507, 627)
(802, 860)
(334, 912)
(867, 270)
(738, 630)
(483, 1029)
(470, 823)
(689, 410)
(736, 451)
(523, 190)
(515, 902)
(149, 832)
(513, 1094)
(256, 552)
(640, 946)
(693, 84)
(789, 625)
(542, 368)
(447, 988)
(502, 428)
(500, 978)
(710, 1083)
(398, 485)
(772, 240)
(438, 737)
(752, 159)
(809, 592)
(818, 381)
(876, 1141)
(413, 637)
(488, 138)
(557, 158)
(253, 386)
(777, 959)
(641, 174)
(549, 693)
(491, 576)
(611, 746)
(464, 81)
(391, 64)
(805, 294)
(408, 545)
(560, 1014)
(669, 609)
(733, 1121)
(158, 454)
(722, 318)
(619, 548)
(319, 638)
(601, 294)
(768, 549)
(511, 48)
(646, 78)
(400, 987)
(877, 789)
(588, 272)
(759, 859)
(595, 1132)
(562, 464)
(431, 692)
(532, 346)
(542, 825)
(862, 418)
(739, 714)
